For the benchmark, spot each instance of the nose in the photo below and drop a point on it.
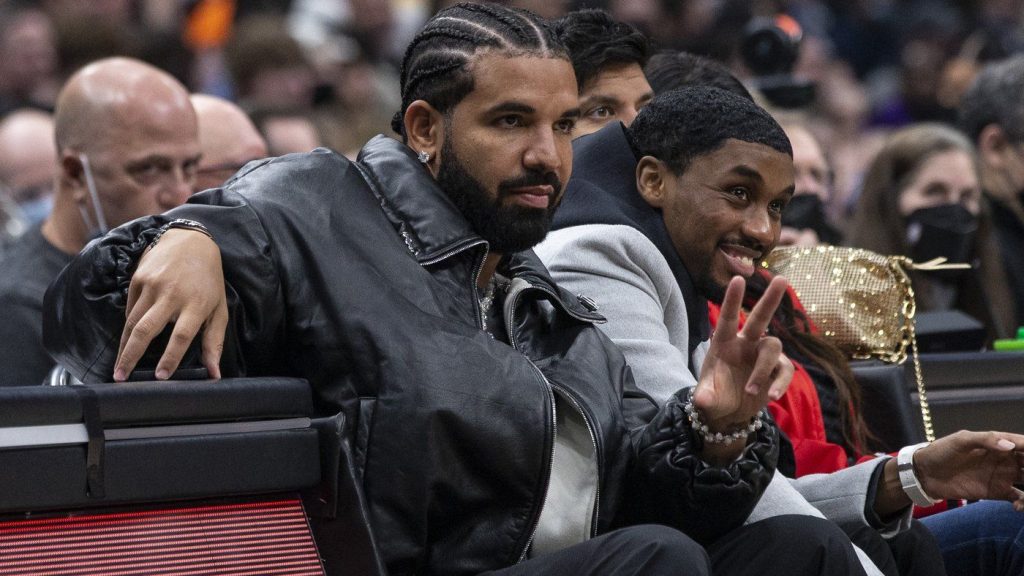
(760, 227)
(177, 188)
(543, 154)
(628, 114)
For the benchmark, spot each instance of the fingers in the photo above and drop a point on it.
(185, 330)
(137, 335)
(213, 340)
(729, 314)
(769, 349)
(783, 377)
(761, 315)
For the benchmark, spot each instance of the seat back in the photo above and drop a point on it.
(886, 405)
(188, 477)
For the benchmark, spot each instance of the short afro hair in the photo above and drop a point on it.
(596, 40)
(681, 125)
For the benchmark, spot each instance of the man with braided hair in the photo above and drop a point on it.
(495, 429)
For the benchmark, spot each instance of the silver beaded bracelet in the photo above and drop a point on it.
(709, 437)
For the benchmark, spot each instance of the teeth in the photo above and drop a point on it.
(746, 260)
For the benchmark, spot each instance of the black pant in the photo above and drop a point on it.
(780, 546)
(914, 552)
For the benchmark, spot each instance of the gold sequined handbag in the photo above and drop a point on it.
(860, 300)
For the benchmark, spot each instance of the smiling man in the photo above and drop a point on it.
(498, 430)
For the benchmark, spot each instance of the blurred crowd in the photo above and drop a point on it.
(325, 72)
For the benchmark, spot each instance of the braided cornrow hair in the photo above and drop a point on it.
(436, 64)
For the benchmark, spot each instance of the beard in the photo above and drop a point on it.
(507, 227)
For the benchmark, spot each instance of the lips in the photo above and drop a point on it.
(533, 196)
(739, 260)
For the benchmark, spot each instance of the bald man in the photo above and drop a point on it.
(28, 162)
(127, 145)
(228, 140)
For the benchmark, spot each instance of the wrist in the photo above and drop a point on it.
(719, 432)
(179, 224)
(910, 481)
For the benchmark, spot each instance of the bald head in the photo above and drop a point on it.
(127, 145)
(112, 95)
(228, 139)
(28, 156)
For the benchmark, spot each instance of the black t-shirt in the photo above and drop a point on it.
(26, 270)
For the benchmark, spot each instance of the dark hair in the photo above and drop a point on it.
(671, 70)
(436, 66)
(595, 40)
(995, 98)
(680, 125)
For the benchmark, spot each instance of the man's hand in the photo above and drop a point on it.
(743, 370)
(973, 466)
(179, 280)
(968, 465)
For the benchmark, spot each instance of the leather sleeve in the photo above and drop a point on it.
(671, 485)
(84, 309)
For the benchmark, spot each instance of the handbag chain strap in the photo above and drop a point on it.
(922, 399)
(909, 311)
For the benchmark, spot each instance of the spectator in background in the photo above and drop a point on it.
(28, 162)
(268, 67)
(805, 221)
(90, 31)
(608, 58)
(28, 57)
(671, 69)
(992, 115)
(127, 146)
(287, 130)
(922, 198)
(227, 139)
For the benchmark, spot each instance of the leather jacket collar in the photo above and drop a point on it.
(428, 221)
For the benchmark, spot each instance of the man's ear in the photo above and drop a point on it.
(993, 146)
(652, 180)
(72, 175)
(424, 130)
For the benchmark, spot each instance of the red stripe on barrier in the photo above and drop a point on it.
(269, 538)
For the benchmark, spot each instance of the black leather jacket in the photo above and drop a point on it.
(361, 278)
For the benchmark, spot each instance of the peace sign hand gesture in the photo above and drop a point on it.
(743, 369)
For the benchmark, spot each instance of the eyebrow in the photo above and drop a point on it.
(747, 172)
(161, 158)
(520, 108)
(597, 99)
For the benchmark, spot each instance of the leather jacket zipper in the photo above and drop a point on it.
(476, 273)
(551, 459)
(510, 306)
(597, 455)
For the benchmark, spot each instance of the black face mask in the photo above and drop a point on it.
(946, 231)
(808, 211)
